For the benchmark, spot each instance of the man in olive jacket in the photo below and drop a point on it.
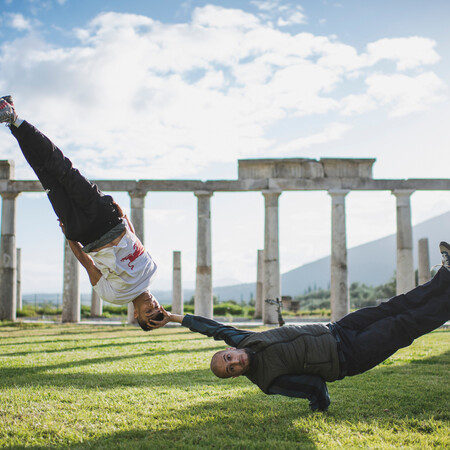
(296, 361)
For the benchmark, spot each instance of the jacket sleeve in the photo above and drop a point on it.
(310, 387)
(232, 336)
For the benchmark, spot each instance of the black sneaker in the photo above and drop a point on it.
(7, 111)
(444, 248)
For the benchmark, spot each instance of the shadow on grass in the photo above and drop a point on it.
(253, 420)
(21, 375)
(373, 402)
(110, 381)
(58, 330)
(89, 347)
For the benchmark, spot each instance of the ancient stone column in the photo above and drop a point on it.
(424, 261)
(259, 285)
(203, 284)
(137, 219)
(177, 290)
(405, 265)
(19, 279)
(272, 279)
(8, 274)
(71, 307)
(96, 304)
(137, 213)
(340, 301)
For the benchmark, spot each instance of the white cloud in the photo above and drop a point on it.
(219, 17)
(333, 132)
(266, 5)
(163, 100)
(285, 14)
(293, 18)
(406, 94)
(357, 104)
(409, 52)
(18, 22)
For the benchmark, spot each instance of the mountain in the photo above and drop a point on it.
(373, 263)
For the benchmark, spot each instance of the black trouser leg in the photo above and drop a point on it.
(86, 212)
(370, 335)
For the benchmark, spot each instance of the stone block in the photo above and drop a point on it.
(7, 169)
(279, 168)
(286, 168)
(347, 167)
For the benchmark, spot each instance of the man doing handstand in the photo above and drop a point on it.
(99, 234)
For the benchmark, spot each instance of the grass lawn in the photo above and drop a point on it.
(67, 386)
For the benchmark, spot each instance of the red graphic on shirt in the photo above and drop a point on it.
(138, 251)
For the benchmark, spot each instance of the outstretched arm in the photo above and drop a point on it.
(220, 332)
(211, 328)
(310, 387)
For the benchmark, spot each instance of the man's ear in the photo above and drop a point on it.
(136, 302)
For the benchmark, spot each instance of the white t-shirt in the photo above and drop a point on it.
(127, 270)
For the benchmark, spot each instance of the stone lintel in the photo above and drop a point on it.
(285, 184)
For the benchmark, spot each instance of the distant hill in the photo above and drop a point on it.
(373, 264)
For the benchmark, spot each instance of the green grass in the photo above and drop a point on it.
(66, 386)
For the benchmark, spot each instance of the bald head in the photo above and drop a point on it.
(231, 362)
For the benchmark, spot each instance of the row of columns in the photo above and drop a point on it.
(268, 274)
(268, 283)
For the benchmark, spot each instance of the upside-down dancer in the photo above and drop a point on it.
(99, 234)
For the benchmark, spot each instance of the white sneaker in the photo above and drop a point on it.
(7, 111)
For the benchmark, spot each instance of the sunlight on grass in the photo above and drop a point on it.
(117, 387)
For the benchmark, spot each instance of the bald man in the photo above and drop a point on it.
(296, 361)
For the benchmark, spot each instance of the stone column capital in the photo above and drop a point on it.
(403, 196)
(137, 193)
(403, 192)
(137, 198)
(271, 198)
(272, 192)
(338, 192)
(203, 193)
(338, 196)
(9, 195)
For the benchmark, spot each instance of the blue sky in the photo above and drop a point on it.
(182, 89)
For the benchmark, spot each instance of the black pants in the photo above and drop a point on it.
(370, 335)
(86, 212)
